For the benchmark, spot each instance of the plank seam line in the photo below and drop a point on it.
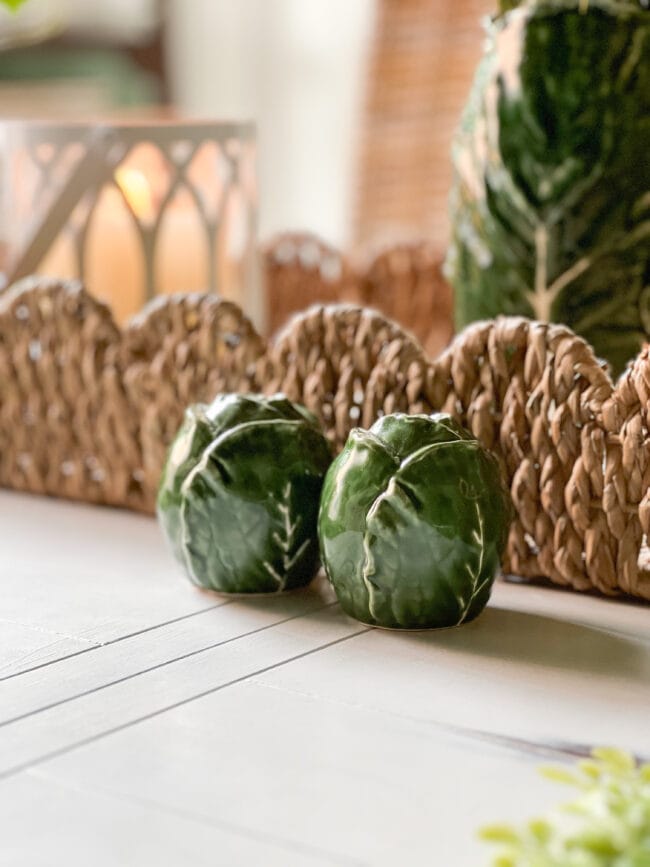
(563, 750)
(116, 640)
(51, 633)
(198, 818)
(24, 766)
(158, 665)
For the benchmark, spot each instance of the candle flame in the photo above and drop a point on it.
(136, 190)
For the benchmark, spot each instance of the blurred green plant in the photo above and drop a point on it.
(608, 825)
(507, 5)
(13, 4)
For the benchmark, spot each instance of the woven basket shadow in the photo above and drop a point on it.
(88, 411)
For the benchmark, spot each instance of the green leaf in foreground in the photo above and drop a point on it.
(607, 825)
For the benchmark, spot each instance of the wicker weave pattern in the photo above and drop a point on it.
(300, 269)
(87, 411)
(345, 364)
(403, 280)
(575, 449)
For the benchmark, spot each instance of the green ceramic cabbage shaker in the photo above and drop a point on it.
(413, 521)
(238, 499)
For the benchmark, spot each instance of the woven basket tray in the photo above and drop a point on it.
(402, 280)
(87, 411)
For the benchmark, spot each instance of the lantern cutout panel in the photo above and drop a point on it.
(134, 211)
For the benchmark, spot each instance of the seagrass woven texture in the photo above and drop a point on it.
(301, 269)
(87, 411)
(405, 281)
(402, 279)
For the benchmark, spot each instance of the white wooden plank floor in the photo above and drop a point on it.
(144, 722)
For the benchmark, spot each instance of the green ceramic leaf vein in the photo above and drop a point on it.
(239, 496)
(551, 197)
(413, 522)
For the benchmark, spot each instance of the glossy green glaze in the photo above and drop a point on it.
(413, 521)
(238, 498)
(550, 204)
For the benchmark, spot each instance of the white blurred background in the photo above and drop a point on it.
(297, 67)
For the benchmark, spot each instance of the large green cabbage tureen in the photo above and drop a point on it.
(551, 200)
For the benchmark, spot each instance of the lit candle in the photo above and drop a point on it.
(114, 260)
(136, 210)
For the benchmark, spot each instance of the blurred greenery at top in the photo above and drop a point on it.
(122, 81)
(115, 78)
(507, 5)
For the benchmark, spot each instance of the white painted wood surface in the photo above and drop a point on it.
(144, 722)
